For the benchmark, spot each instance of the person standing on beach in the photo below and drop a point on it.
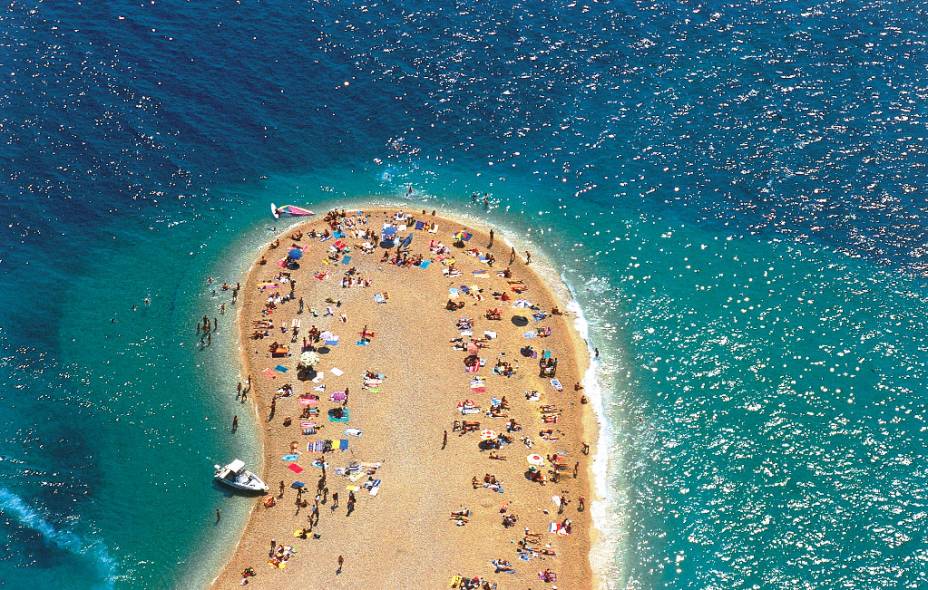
(528, 257)
(238, 390)
(490, 245)
(334, 500)
(234, 423)
(512, 256)
(341, 562)
(444, 440)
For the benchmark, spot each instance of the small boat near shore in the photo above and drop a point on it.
(291, 210)
(236, 476)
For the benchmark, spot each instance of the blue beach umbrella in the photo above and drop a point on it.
(406, 241)
(295, 253)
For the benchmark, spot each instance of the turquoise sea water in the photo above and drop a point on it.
(733, 191)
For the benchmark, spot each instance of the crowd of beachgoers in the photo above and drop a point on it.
(321, 337)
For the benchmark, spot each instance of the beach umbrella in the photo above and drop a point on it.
(487, 435)
(297, 485)
(309, 359)
(295, 253)
(406, 241)
(536, 459)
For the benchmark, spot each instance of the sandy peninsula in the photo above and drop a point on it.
(426, 497)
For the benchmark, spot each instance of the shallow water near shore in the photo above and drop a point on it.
(732, 207)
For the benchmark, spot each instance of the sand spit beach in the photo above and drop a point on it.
(422, 418)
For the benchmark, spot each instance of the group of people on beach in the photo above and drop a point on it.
(347, 231)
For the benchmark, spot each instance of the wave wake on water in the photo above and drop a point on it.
(18, 510)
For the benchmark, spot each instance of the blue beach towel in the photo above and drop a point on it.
(344, 418)
(346, 260)
(281, 369)
(425, 263)
(420, 225)
(343, 444)
(339, 234)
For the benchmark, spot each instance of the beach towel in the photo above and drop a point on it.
(556, 384)
(268, 372)
(378, 298)
(344, 418)
(281, 369)
(530, 334)
(362, 343)
(481, 274)
(319, 377)
(433, 230)
(356, 432)
(343, 444)
(295, 468)
(338, 396)
(375, 487)
(290, 458)
(425, 263)
(346, 260)
(452, 292)
(337, 372)
(420, 225)
(338, 234)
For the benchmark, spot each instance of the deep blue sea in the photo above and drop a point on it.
(736, 192)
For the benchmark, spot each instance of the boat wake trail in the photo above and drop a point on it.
(15, 508)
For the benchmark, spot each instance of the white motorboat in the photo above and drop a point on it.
(236, 476)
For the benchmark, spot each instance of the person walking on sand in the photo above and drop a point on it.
(341, 562)
(512, 256)
(490, 245)
(444, 440)
(334, 500)
(528, 257)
